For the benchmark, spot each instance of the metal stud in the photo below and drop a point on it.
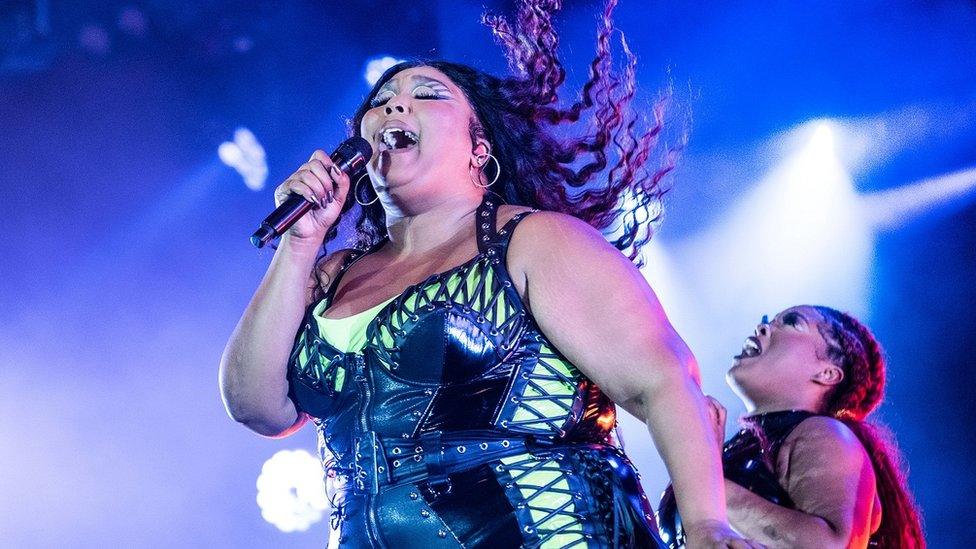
(414, 495)
(424, 513)
(428, 392)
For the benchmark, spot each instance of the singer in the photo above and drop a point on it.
(808, 469)
(462, 364)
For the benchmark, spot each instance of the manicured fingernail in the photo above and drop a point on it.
(335, 170)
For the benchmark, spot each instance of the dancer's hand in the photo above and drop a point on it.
(713, 534)
(324, 185)
(718, 414)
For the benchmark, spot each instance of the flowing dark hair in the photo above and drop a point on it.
(853, 348)
(518, 115)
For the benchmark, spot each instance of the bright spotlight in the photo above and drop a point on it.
(246, 155)
(291, 491)
(376, 67)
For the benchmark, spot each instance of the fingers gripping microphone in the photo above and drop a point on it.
(351, 157)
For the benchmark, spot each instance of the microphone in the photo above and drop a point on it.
(350, 157)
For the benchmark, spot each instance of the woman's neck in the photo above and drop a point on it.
(431, 226)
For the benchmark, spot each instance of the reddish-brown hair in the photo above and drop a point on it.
(853, 348)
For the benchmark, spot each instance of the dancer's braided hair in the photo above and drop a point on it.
(854, 349)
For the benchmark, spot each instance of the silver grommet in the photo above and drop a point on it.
(396, 451)
(381, 469)
(396, 463)
(461, 449)
(506, 444)
(483, 446)
(418, 457)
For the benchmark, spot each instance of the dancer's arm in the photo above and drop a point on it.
(598, 310)
(829, 476)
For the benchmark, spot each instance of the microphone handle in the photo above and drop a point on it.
(295, 206)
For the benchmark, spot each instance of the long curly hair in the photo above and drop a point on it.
(854, 349)
(519, 116)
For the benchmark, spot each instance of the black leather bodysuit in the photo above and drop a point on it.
(746, 461)
(460, 425)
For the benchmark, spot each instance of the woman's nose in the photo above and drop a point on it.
(763, 328)
(395, 106)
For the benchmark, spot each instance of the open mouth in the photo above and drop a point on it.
(750, 347)
(397, 139)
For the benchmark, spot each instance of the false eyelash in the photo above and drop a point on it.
(420, 95)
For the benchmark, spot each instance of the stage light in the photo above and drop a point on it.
(291, 491)
(376, 67)
(246, 155)
(893, 208)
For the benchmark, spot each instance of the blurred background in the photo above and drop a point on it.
(832, 159)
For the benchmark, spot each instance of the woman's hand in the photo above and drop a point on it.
(718, 415)
(716, 535)
(324, 185)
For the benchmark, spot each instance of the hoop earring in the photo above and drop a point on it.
(355, 192)
(498, 172)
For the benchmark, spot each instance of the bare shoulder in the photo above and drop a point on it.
(507, 211)
(331, 263)
(325, 271)
(821, 437)
(553, 230)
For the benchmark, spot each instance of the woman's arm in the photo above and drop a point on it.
(253, 369)
(598, 310)
(829, 476)
(253, 377)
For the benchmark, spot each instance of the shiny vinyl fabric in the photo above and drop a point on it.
(746, 461)
(460, 425)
